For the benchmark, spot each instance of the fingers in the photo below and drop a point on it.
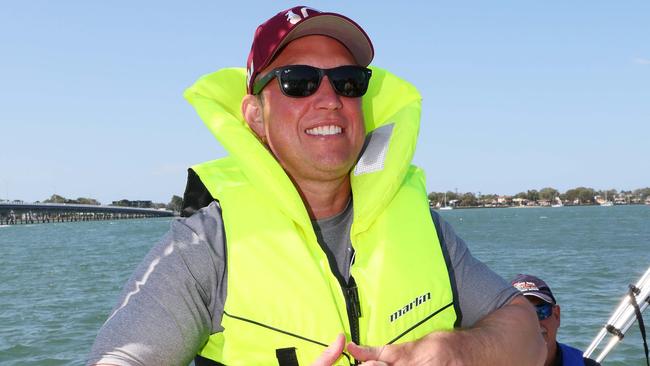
(331, 353)
(374, 363)
(362, 353)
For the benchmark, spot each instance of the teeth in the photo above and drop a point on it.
(324, 130)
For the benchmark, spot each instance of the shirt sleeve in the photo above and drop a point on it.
(480, 290)
(173, 301)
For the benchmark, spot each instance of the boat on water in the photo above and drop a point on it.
(558, 202)
(606, 202)
(444, 207)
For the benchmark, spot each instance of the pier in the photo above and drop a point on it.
(37, 213)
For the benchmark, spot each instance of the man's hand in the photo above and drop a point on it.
(430, 350)
(509, 336)
(331, 353)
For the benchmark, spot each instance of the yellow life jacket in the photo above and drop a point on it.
(284, 305)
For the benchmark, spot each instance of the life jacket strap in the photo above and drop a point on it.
(287, 356)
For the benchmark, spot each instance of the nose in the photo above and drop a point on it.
(326, 97)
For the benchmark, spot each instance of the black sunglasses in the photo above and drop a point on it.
(303, 80)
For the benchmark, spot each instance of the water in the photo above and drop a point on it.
(587, 255)
(58, 282)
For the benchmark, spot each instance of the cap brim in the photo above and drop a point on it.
(338, 27)
(540, 296)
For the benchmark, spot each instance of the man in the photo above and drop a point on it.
(548, 314)
(315, 230)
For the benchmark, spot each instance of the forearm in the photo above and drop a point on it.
(508, 336)
(163, 317)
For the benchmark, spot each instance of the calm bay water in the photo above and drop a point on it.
(58, 282)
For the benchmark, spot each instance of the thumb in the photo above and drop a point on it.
(363, 353)
(331, 353)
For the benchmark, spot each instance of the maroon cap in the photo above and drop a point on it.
(530, 285)
(301, 21)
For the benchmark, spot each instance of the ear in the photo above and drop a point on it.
(253, 113)
(556, 313)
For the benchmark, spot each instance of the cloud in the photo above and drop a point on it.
(642, 61)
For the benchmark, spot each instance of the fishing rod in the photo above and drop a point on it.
(628, 311)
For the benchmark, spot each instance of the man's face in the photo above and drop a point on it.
(549, 325)
(299, 130)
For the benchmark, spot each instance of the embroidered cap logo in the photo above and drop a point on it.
(294, 18)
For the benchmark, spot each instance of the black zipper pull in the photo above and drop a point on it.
(353, 295)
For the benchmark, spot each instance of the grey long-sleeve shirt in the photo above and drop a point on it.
(175, 298)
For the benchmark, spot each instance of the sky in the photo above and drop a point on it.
(517, 95)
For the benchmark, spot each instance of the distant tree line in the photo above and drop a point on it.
(81, 200)
(175, 204)
(547, 195)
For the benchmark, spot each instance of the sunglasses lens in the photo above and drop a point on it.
(543, 311)
(350, 81)
(299, 81)
(303, 81)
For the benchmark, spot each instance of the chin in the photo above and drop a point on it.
(330, 162)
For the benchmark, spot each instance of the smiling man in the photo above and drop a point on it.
(315, 231)
(315, 138)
